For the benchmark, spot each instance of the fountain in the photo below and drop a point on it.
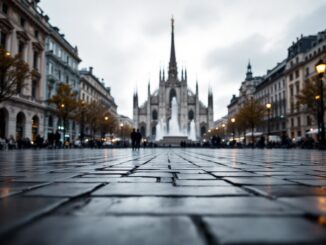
(174, 127)
(173, 135)
(192, 132)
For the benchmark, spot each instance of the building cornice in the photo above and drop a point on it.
(24, 7)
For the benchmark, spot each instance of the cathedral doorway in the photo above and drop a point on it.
(203, 130)
(143, 131)
(4, 115)
(172, 94)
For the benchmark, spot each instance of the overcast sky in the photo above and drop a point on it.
(127, 41)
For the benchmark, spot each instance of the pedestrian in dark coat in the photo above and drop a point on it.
(133, 137)
(138, 139)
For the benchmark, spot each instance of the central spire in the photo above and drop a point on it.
(173, 71)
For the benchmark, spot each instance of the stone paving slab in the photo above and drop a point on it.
(166, 189)
(313, 205)
(265, 230)
(162, 196)
(182, 182)
(312, 182)
(149, 174)
(182, 205)
(258, 181)
(17, 210)
(288, 190)
(110, 230)
(12, 186)
(195, 176)
(63, 190)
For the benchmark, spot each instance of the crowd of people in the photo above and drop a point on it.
(54, 141)
(136, 138)
(10, 143)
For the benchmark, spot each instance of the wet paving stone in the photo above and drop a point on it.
(195, 176)
(162, 196)
(235, 174)
(258, 181)
(151, 174)
(63, 190)
(120, 230)
(183, 182)
(313, 205)
(289, 190)
(265, 230)
(166, 189)
(9, 188)
(17, 210)
(182, 205)
(311, 182)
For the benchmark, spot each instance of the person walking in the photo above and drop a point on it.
(133, 137)
(138, 139)
(57, 137)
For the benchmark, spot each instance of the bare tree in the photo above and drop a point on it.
(66, 104)
(13, 74)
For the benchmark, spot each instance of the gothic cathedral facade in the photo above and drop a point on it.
(158, 105)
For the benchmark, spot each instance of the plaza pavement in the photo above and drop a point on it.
(163, 196)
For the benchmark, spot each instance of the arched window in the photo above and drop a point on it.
(191, 115)
(154, 115)
(172, 94)
(143, 131)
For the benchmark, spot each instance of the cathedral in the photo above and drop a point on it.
(158, 107)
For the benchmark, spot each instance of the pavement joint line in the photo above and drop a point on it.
(27, 189)
(316, 219)
(203, 230)
(46, 211)
(31, 218)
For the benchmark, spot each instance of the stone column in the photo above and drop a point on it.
(11, 124)
(28, 127)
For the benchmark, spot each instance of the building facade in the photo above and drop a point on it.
(272, 90)
(62, 62)
(23, 28)
(246, 91)
(281, 86)
(92, 89)
(158, 109)
(303, 55)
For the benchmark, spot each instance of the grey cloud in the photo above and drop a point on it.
(129, 31)
(306, 24)
(232, 60)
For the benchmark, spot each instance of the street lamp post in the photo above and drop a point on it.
(106, 118)
(64, 124)
(321, 69)
(121, 132)
(317, 98)
(82, 123)
(268, 107)
(223, 126)
(233, 128)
